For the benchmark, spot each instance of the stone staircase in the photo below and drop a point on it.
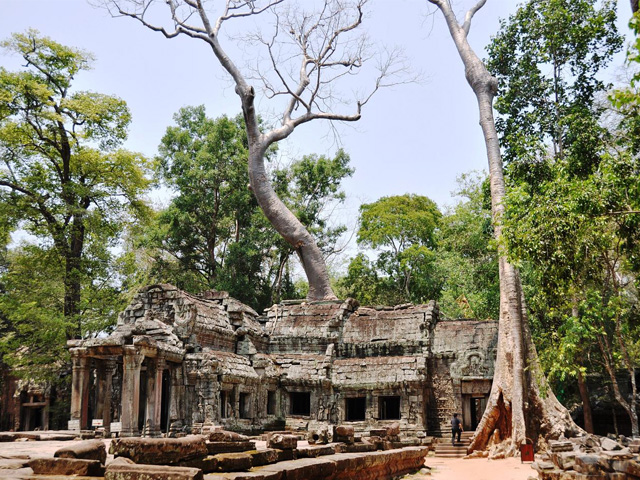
(445, 449)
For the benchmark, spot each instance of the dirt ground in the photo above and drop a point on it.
(14, 455)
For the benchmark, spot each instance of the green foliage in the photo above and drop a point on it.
(569, 220)
(65, 181)
(402, 229)
(466, 256)
(213, 235)
(546, 58)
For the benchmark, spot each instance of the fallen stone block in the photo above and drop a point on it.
(630, 467)
(393, 429)
(564, 460)
(159, 451)
(229, 447)
(226, 436)
(233, 462)
(88, 450)
(315, 451)
(566, 445)
(585, 476)
(541, 465)
(378, 432)
(286, 455)
(120, 471)
(263, 457)
(343, 433)
(376, 465)
(254, 475)
(587, 464)
(304, 469)
(67, 466)
(282, 442)
(355, 447)
(207, 464)
(122, 461)
(607, 444)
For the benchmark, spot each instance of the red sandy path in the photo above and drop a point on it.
(479, 469)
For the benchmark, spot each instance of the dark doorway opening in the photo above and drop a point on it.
(356, 409)
(224, 410)
(389, 408)
(478, 404)
(300, 403)
(166, 396)
(271, 403)
(243, 405)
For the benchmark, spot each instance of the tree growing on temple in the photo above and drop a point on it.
(307, 54)
(520, 405)
(63, 177)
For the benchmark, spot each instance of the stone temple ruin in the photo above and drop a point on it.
(176, 363)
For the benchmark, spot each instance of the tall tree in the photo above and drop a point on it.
(63, 178)
(466, 257)
(402, 230)
(307, 53)
(213, 234)
(567, 214)
(520, 405)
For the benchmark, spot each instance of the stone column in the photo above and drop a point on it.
(154, 397)
(132, 361)
(109, 370)
(80, 390)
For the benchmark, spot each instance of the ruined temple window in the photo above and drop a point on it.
(244, 405)
(389, 408)
(271, 403)
(223, 405)
(356, 409)
(300, 403)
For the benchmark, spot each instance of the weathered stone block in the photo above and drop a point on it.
(159, 451)
(119, 471)
(608, 444)
(305, 469)
(343, 433)
(315, 451)
(87, 450)
(282, 442)
(263, 457)
(67, 466)
(229, 447)
(393, 429)
(286, 455)
(587, 464)
(226, 436)
(233, 462)
(630, 467)
(564, 460)
(207, 464)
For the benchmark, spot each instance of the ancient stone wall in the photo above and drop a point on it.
(303, 365)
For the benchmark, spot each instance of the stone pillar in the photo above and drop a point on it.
(132, 361)
(154, 397)
(45, 412)
(80, 390)
(109, 367)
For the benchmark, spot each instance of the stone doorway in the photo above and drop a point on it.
(477, 407)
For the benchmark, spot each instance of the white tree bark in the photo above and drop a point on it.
(521, 407)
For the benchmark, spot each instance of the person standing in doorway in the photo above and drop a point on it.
(456, 429)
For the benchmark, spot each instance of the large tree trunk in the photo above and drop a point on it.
(586, 403)
(287, 225)
(521, 407)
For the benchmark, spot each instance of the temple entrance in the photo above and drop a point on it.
(478, 405)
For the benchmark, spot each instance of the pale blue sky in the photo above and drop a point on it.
(414, 138)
